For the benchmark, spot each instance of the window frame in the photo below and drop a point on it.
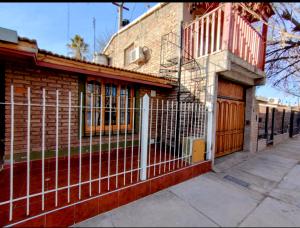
(103, 128)
(127, 52)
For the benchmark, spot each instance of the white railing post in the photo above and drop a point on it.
(144, 137)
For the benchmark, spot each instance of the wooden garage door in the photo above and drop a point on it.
(230, 118)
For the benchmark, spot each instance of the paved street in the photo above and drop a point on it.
(244, 190)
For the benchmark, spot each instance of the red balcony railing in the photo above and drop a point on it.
(224, 29)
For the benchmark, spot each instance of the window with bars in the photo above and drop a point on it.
(111, 115)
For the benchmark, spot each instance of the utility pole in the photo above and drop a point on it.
(120, 11)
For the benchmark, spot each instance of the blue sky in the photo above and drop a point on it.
(48, 24)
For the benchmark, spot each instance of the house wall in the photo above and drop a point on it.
(23, 74)
(147, 34)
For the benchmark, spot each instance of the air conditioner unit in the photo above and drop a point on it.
(136, 55)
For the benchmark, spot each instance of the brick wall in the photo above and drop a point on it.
(147, 33)
(23, 74)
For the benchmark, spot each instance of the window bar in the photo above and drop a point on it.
(91, 138)
(43, 148)
(155, 143)
(69, 144)
(12, 120)
(132, 138)
(118, 139)
(166, 137)
(179, 135)
(109, 139)
(183, 133)
(161, 124)
(125, 143)
(28, 147)
(174, 150)
(140, 123)
(80, 147)
(170, 146)
(100, 143)
(56, 148)
(150, 129)
(187, 132)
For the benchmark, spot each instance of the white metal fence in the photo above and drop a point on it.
(153, 141)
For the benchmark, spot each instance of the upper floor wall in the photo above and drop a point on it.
(208, 28)
(145, 33)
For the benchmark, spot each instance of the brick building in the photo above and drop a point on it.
(78, 134)
(226, 44)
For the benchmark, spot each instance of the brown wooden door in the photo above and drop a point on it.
(230, 118)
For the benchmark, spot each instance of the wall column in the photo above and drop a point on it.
(251, 121)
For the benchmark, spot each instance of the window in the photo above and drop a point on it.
(112, 114)
(93, 88)
(127, 54)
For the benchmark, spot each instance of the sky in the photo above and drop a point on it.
(48, 24)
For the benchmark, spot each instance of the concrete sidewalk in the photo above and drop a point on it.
(244, 190)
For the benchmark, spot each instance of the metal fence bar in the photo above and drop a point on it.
(183, 134)
(188, 126)
(91, 140)
(118, 139)
(195, 120)
(174, 149)
(100, 143)
(69, 143)
(170, 147)
(132, 138)
(125, 143)
(109, 144)
(166, 135)
(139, 147)
(198, 121)
(80, 146)
(161, 128)
(179, 134)
(12, 121)
(28, 148)
(150, 130)
(155, 143)
(56, 147)
(43, 148)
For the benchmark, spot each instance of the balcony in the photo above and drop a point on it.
(224, 28)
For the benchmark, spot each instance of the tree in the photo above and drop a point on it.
(283, 52)
(78, 47)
